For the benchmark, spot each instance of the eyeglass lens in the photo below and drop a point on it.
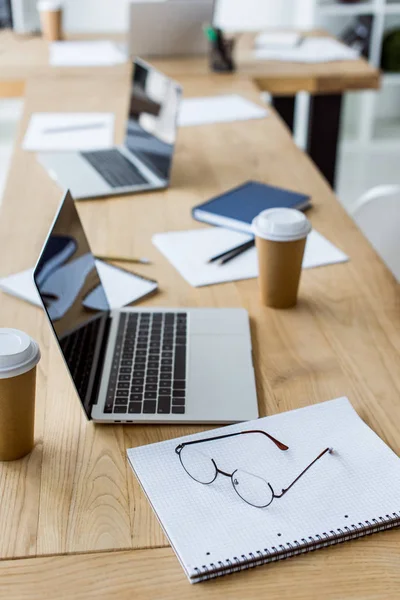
(198, 465)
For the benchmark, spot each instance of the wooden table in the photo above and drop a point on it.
(22, 57)
(325, 82)
(72, 512)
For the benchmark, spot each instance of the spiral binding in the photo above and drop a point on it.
(281, 551)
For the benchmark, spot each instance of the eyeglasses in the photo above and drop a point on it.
(251, 488)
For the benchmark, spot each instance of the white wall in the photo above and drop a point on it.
(111, 15)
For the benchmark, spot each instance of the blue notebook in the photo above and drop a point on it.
(237, 208)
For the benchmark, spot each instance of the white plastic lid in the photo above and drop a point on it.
(50, 5)
(281, 225)
(19, 353)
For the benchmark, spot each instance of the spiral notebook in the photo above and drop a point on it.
(346, 494)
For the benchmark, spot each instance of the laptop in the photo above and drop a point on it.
(164, 365)
(144, 161)
(169, 28)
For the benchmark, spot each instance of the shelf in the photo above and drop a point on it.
(352, 9)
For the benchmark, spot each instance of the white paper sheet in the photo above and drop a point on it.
(69, 131)
(189, 251)
(277, 39)
(218, 109)
(210, 526)
(313, 49)
(121, 287)
(86, 54)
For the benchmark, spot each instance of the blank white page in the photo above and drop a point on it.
(210, 524)
(96, 53)
(218, 109)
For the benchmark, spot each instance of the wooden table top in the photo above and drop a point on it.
(22, 57)
(75, 494)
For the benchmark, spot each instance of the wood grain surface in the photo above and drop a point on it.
(358, 570)
(24, 57)
(76, 493)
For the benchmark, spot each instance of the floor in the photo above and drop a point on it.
(357, 171)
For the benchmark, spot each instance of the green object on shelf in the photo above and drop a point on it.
(390, 60)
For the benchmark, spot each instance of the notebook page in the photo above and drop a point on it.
(210, 524)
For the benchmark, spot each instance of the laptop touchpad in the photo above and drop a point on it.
(218, 322)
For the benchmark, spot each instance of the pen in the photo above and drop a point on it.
(233, 251)
(140, 260)
(240, 250)
(74, 128)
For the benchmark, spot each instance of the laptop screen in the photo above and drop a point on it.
(152, 121)
(73, 296)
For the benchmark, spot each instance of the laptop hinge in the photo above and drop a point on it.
(100, 364)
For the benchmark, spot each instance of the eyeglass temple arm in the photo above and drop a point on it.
(330, 450)
(228, 435)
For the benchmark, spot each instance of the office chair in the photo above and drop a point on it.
(377, 214)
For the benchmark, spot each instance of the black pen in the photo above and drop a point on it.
(235, 251)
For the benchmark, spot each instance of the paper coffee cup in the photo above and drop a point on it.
(19, 355)
(281, 235)
(50, 12)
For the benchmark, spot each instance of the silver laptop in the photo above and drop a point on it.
(141, 365)
(169, 28)
(144, 161)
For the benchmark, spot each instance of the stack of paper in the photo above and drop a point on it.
(189, 252)
(86, 54)
(69, 131)
(312, 49)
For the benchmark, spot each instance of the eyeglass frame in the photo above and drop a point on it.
(279, 445)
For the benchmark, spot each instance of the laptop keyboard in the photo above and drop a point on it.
(149, 371)
(115, 168)
(78, 349)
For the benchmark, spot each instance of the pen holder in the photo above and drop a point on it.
(222, 62)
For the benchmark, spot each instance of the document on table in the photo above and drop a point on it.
(218, 109)
(121, 287)
(189, 251)
(69, 131)
(218, 529)
(86, 54)
(312, 49)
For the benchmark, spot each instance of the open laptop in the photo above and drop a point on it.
(144, 161)
(141, 365)
(169, 28)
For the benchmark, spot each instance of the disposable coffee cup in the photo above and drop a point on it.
(280, 235)
(50, 12)
(19, 355)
